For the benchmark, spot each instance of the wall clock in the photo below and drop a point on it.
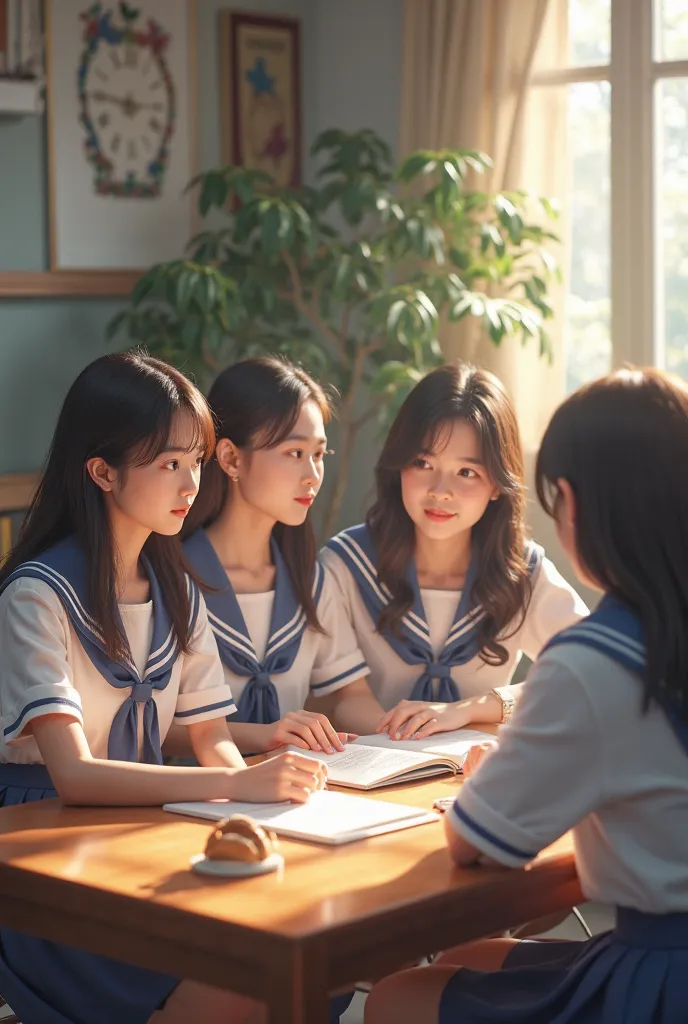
(126, 100)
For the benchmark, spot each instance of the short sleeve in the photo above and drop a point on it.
(554, 605)
(338, 659)
(35, 674)
(203, 691)
(545, 776)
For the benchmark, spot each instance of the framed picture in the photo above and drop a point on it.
(261, 93)
(121, 143)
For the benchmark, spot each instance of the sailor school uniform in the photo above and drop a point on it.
(54, 662)
(436, 655)
(580, 754)
(272, 659)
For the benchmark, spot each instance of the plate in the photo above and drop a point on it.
(236, 868)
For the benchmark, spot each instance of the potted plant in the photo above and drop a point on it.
(351, 278)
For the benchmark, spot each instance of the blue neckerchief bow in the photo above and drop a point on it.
(357, 549)
(259, 701)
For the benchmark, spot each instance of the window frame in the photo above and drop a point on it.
(637, 321)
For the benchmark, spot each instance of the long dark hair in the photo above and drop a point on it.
(256, 404)
(503, 584)
(622, 444)
(121, 409)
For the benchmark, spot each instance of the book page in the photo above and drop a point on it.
(456, 744)
(325, 816)
(365, 765)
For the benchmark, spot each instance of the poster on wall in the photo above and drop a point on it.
(121, 147)
(261, 95)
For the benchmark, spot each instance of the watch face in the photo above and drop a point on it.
(126, 100)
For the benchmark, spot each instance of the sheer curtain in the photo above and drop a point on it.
(466, 83)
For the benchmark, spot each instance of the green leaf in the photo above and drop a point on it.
(186, 284)
(144, 286)
(394, 315)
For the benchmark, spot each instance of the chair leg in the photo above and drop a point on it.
(11, 1019)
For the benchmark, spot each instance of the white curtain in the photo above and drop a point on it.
(467, 71)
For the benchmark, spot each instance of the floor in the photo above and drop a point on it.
(599, 918)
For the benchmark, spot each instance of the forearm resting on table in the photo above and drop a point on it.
(354, 709)
(82, 779)
(249, 739)
(462, 852)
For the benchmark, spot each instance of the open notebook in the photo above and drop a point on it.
(373, 761)
(328, 817)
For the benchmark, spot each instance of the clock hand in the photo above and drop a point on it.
(130, 106)
(99, 96)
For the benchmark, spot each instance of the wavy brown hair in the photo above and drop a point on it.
(256, 403)
(122, 409)
(503, 583)
(622, 444)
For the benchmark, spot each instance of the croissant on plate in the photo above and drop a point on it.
(240, 838)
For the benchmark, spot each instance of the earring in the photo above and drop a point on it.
(235, 479)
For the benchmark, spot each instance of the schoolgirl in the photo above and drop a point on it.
(277, 619)
(598, 742)
(105, 642)
(442, 589)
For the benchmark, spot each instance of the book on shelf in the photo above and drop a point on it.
(374, 761)
(330, 818)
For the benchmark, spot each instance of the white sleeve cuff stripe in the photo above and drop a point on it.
(513, 852)
(344, 677)
(228, 706)
(61, 704)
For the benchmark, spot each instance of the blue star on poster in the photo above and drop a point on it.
(259, 78)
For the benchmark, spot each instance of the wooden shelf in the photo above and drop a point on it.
(46, 284)
(18, 97)
(16, 491)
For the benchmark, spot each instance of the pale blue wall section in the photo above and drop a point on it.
(23, 197)
(43, 345)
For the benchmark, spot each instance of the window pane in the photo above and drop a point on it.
(671, 29)
(589, 32)
(587, 329)
(672, 249)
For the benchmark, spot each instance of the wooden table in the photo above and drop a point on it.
(116, 881)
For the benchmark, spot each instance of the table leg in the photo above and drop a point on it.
(299, 989)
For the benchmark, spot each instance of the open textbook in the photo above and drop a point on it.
(328, 817)
(373, 761)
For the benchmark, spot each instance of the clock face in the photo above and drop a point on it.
(126, 106)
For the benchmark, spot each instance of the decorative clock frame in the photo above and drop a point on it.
(149, 198)
(100, 31)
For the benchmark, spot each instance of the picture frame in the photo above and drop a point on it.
(260, 64)
(121, 138)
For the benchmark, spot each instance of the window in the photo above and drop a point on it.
(625, 80)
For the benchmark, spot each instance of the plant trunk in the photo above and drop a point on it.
(347, 435)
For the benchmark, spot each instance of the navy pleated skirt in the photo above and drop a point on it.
(635, 974)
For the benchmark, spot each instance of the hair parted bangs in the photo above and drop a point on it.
(124, 409)
(503, 586)
(173, 402)
(256, 404)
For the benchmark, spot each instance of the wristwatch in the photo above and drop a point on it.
(506, 695)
